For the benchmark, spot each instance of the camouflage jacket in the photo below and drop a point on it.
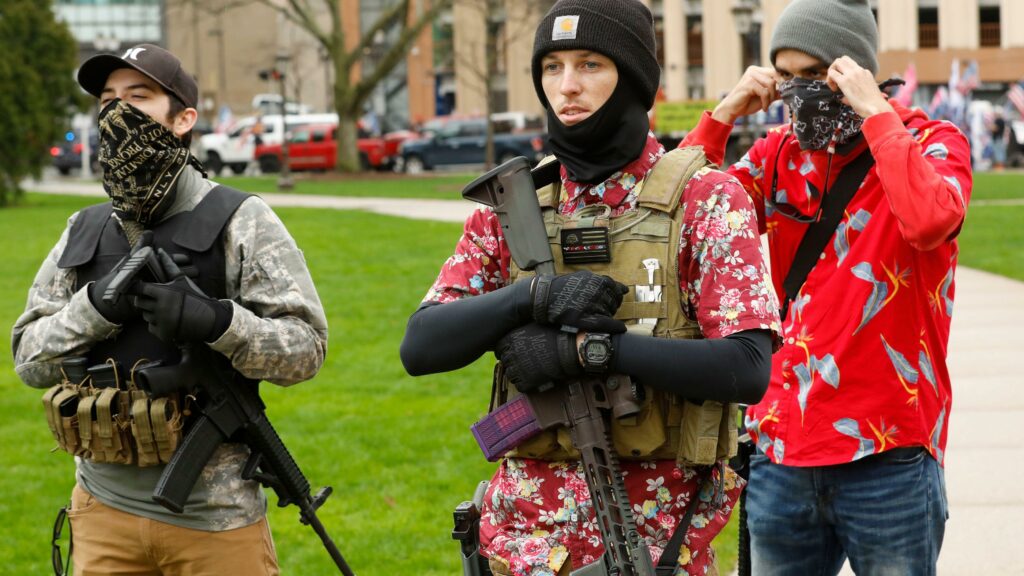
(278, 333)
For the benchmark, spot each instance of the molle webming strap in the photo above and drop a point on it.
(664, 186)
(85, 410)
(166, 422)
(143, 431)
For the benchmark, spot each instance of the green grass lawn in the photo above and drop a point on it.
(386, 185)
(396, 449)
(993, 235)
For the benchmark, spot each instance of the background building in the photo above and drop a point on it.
(483, 47)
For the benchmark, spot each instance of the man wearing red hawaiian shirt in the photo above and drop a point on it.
(852, 432)
(596, 73)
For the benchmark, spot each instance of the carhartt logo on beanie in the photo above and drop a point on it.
(827, 30)
(622, 30)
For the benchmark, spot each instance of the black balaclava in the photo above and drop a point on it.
(142, 161)
(614, 135)
(604, 143)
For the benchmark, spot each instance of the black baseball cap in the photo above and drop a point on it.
(160, 65)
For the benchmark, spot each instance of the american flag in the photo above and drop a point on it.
(1016, 95)
(970, 79)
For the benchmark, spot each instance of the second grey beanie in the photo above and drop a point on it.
(827, 30)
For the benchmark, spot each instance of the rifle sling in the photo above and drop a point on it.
(818, 233)
(546, 174)
(667, 563)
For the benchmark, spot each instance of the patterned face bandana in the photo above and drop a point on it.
(818, 114)
(141, 162)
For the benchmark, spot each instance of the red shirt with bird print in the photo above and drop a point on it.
(863, 366)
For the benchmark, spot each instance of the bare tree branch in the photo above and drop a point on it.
(386, 20)
(337, 30)
(398, 51)
(304, 12)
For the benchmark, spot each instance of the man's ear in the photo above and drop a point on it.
(184, 121)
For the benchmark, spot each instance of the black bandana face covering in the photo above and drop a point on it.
(601, 145)
(817, 112)
(141, 162)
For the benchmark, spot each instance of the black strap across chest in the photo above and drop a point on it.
(820, 232)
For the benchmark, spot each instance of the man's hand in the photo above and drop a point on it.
(582, 299)
(535, 356)
(860, 91)
(755, 91)
(123, 310)
(179, 312)
(119, 313)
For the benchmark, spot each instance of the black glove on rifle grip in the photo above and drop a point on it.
(581, 299)
(124, 310)
(536, 356)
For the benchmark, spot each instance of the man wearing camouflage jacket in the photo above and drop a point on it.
(253, 302)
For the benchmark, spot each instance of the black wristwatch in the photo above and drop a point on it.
(596, 352)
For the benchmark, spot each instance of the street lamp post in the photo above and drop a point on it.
(284, 181)
(747, 19)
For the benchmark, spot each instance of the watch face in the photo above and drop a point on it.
(597, 351)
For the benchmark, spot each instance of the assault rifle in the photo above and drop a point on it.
(230, 409)
(583, 405)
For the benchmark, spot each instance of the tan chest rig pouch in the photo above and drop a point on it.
(99, 414)
(643, 244)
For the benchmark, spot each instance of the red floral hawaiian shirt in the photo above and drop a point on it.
(538, 513)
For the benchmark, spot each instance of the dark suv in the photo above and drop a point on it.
(462, 141)
(67, 155)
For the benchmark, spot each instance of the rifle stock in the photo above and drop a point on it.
(141, 264)
(509, 191)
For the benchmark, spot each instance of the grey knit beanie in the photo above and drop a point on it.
(829, 29)
(622, 30)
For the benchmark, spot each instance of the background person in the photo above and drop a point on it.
(852, 432)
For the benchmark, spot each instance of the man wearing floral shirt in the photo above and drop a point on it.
(852, 432)
(595, 71)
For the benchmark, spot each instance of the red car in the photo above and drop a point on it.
(314, 147)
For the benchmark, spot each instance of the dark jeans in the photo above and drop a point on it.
(886, 512)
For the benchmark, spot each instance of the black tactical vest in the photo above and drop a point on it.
(96, 243)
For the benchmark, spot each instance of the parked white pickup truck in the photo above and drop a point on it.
(235, 149)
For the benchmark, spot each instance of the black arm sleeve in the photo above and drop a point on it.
(443, 337)
(731, 369)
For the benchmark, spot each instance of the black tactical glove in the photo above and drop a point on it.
(178, 311)
(177, 264)
(536, 356)
(122, 310)
(118, 313)
(581, 299)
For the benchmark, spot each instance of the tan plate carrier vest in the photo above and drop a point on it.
(114, 425)
(667, 426)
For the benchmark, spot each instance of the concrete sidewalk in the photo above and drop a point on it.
(421, 209)
(984, 456)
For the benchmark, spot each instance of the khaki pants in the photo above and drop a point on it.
(109, 541)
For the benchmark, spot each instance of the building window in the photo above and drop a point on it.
(989, 22)
(123, 21)
(928, 27)
(694, 42)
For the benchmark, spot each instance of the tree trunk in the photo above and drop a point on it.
(347, 153)
(348, 146)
